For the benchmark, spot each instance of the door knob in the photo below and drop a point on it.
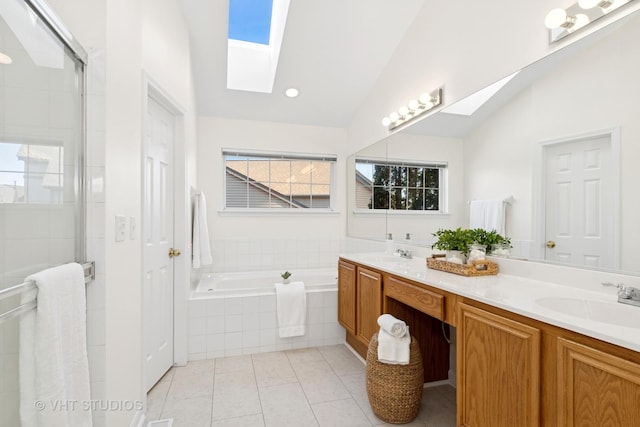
(551, 244)
(174, 252)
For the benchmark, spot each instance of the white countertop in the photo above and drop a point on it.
(596, 314)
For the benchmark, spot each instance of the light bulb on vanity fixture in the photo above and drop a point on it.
(562, 22)
(557, 18)
(413, 109)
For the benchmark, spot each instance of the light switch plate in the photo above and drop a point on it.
(121, 228)
(132, 228)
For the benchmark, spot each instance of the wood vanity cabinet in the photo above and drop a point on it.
(498, 370)
(364, 294)
(512, 370)
(595, 388)
(359, 303)
(347, 296)
(516, 371)
(369, 303)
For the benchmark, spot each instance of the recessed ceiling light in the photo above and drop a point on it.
(292, 92)
(5, 59)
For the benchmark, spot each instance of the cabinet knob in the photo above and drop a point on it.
(551, 244)
(174, 252)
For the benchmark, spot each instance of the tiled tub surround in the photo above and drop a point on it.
(259, 254)
(229, 325)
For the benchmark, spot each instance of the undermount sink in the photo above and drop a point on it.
(600, 311)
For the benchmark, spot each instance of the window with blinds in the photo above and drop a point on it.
(396, 185)
(278, 181)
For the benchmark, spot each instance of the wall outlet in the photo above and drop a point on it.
(121, 228)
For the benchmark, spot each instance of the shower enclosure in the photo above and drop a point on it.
(42, 134)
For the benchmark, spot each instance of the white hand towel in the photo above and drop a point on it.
(201, 249)
(392, 326)
(291, 305)
(54, 368)
(392, 350)
(488, 215)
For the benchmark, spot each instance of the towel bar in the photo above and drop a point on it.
(89, 269)
(507, 200)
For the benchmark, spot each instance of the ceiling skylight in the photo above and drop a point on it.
(467, 106)
(250, 20)
(256, 29)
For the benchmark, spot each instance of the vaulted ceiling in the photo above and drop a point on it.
(333, 51)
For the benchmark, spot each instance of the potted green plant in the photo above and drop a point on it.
(491, 239)
(454, 242)
(285, 277)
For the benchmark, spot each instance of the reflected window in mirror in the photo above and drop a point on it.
(399, 186)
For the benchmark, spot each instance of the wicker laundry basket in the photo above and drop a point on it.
(395, 391)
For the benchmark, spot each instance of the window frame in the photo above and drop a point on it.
(277, 155)
(442, 168)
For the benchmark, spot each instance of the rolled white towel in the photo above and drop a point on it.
(394, 327)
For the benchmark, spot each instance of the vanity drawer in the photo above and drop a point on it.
(414, 296)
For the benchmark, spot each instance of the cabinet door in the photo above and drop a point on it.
(595, 388)
(369, 303)
(347, 296)
(498, 370)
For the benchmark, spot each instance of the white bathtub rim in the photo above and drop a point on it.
(273, 275)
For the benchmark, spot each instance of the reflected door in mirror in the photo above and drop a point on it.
(579, 215)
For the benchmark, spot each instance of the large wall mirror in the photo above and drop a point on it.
(560, 137)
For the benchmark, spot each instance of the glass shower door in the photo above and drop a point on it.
(41, 167)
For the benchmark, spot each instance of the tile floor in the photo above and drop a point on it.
(323, 386)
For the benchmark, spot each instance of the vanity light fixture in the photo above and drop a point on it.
(562, 22)
(414, 108)
(590, 4)
(605, 5)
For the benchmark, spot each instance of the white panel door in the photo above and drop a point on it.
(579, 217)
(157, 243)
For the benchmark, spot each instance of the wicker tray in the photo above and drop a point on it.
(476, 268)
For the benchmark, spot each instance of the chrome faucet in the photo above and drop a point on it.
(626, 294)
(404, 253)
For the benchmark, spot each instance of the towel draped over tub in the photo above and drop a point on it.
(291, 306)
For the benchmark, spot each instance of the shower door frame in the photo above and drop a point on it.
(56, 25)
